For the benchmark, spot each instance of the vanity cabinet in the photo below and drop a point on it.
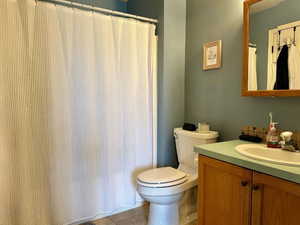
(274, 201)
(224, 193)
(232, 195)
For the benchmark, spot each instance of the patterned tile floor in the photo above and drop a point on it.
(138, 216)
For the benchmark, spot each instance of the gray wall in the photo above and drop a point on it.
(215, 96)
(172, 82)
(108, 4)
(261, 23)
(171, 77)
(151, 9)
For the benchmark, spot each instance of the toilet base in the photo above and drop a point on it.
(164, 214)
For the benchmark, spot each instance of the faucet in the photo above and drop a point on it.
(287, 143)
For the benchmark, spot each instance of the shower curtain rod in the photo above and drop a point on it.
(72, 4)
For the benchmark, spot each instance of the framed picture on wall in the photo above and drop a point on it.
(212, 55)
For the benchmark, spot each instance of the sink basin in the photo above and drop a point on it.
(277, 156)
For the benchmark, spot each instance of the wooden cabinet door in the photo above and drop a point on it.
(275, 201)
(224, 193)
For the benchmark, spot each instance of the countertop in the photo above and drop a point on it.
(225, 151)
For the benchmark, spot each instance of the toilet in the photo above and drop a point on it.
(164, 187)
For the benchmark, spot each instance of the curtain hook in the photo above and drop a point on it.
(109, 13)
(92, 6)
(279, 45)
(72, 6)
(295, 29)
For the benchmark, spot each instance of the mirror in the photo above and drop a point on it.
(271, 48)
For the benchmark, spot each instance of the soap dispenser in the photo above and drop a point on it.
(273, 139)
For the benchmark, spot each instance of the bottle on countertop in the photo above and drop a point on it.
(202, 127)
(273, 139)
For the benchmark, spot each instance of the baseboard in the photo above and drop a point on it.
(100, 216)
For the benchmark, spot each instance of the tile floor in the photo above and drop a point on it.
(138, 216)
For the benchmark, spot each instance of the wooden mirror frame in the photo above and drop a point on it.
(246, 34)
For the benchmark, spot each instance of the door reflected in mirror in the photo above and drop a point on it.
(274, 45)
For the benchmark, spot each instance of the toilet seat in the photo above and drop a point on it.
(163, 185)
(171, 190)
(162, 177)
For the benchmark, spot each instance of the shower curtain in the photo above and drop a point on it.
(76, 112)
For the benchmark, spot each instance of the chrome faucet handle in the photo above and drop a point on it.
(286, 136)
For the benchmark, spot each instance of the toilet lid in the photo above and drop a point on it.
(163, 185)
(164, 175)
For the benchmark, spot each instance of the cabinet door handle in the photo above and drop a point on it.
(255, 187)
(244, 183)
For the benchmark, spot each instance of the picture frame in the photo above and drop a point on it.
(212, 55)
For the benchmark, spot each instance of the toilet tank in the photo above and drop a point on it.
(185, 142)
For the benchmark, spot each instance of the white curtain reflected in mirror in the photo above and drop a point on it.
(252, 69)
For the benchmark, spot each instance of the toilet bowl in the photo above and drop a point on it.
(164, 199)
(164, 187)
